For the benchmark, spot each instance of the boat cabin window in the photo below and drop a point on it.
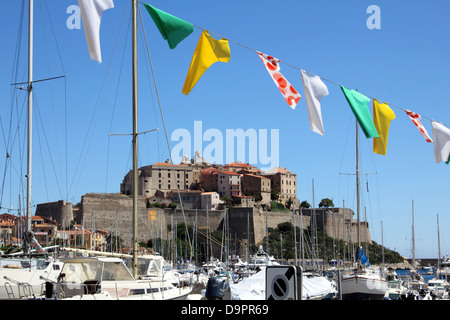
(136, 291)
(116, 271)
(41, 264)
(81, 271)
(142, 265)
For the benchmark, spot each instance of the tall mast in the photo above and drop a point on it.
(357, 192)
(30, 116)
(413, 239)
(295, 234)
(439, 248)
(135, 138)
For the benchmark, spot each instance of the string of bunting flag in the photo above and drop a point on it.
(210, 50)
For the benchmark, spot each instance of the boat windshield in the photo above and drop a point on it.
(77, 272)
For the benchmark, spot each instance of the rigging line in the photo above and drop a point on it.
(114, 107)
(39, 117)
(52, 100)
(154, 114)
(12, 142)
(375, 168)
(54, 36)
(42, 164)
(299, 69)
(165, 130)
(14, 75)
(65, 102)
(97, 109)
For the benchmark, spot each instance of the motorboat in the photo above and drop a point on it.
(395, 289)
(443, 272)
(107, 278)
(261, 259)
(417, 289)
(439, 289)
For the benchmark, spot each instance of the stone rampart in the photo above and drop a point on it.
(113, 213)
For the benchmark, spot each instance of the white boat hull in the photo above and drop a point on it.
(361, 287)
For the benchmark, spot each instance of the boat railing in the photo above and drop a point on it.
(24, 289)
(60, 290)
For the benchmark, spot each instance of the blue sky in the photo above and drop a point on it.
(405, 63)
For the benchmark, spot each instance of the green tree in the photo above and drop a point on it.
(227, 200)
(305, 205)
(289, 203)
(326, 203)
(273, 195)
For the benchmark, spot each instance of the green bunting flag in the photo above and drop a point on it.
(172, 29)
(358, 104)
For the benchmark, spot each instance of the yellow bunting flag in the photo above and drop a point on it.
(207, 52)
(382, 117)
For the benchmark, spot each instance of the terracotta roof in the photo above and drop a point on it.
(210, 170)
(278, 170)
(239, 164)
(6, 224)
(168, 164)
(256, 176)
(231, 173)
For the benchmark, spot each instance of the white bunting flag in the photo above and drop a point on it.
(315, 89)
(441, 136)
(91, 15)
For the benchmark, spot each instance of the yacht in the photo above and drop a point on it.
(107, 278)
(261, 259)
(443, 272)
(23, 277)
(439, 289)
(417, 287)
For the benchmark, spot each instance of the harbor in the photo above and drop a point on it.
(88, 275)
(203, 229)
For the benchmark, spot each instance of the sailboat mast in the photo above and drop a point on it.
(413, 239)
(439, 248)
(135, 137)
(30, 111)
(357, 192)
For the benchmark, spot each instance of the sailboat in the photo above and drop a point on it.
(363, 283)
(109, 278)
(416, 285)
(25, 276)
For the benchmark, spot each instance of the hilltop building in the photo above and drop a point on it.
(257, 186)
(228, 183)
(207, 192)
(283, 182)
